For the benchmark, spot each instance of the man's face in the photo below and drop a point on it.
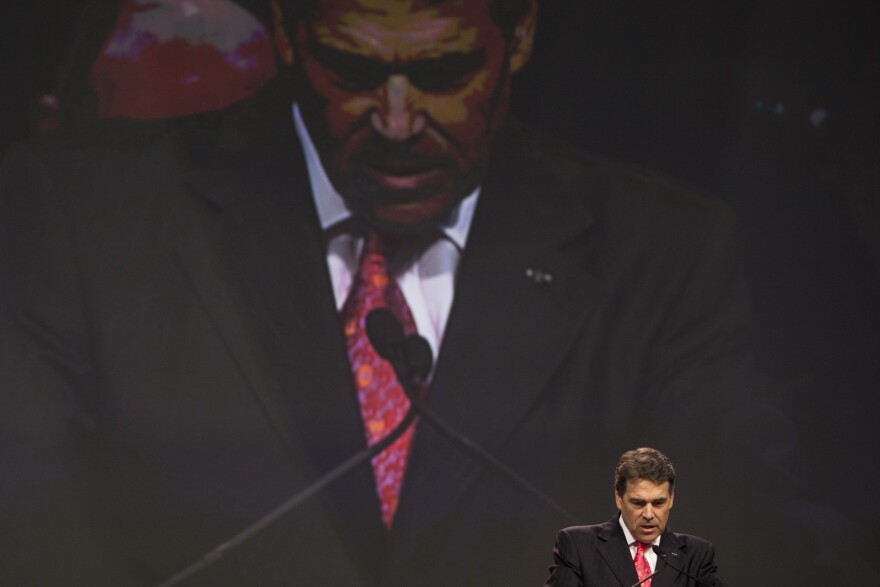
(644, 507)
(403, 99)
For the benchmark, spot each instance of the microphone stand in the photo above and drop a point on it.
(411, 359)
(651, 576)
(662, 554)
(474, 450)
(294, 502)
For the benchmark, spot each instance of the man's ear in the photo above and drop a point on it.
(279, 34)
(523, 37)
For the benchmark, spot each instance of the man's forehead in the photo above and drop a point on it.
(394, 30)
(399, 6)
(645, 489)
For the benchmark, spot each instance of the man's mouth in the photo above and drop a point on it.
(403, 178)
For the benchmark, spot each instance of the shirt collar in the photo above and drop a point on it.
(332, 208)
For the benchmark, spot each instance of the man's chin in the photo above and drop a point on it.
(648, 535)
(412, 218)
(403, 211)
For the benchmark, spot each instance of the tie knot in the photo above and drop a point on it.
(383, 244)
(377, 244)
(394, 251)
(642, 546)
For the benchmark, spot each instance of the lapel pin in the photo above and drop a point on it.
(538, 275)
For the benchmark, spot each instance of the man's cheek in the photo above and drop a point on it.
(461, 119)
(343, 114)
(463, 107)
(449, 113)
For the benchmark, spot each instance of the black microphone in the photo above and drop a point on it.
(385, 333)
(419, 358)
(411, 357)
(412, 360)
(662, 554)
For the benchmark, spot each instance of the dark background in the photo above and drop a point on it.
(771, 106)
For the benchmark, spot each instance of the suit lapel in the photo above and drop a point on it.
(673, 548)
(256, 259)
(615, 551)
(521, 297)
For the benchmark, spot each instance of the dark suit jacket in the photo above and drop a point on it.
(599, 555)
(178, 369)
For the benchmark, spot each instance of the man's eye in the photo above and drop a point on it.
(358, 79)
(446, 74)
(354, 74)
(350, 72)
(437, 78)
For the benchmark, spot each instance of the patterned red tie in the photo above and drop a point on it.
(643, 568)
(382, 400)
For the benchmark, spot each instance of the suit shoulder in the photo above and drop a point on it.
(80, 167)
(584, 529)
(613, 186)
(112, 135)
(653, 199)
(693, 543)
(591, 531)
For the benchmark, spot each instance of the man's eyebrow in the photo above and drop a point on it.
(644, 500)
(454, 62)
(341, 61)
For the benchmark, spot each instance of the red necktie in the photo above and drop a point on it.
(382, 400)
(643, 568)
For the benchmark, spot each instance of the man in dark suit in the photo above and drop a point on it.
(181, 360)
(621, 551)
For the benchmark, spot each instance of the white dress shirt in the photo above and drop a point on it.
(427, 283)
(650, 555)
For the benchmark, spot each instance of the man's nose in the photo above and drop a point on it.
(648, 512)
(398, 117)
